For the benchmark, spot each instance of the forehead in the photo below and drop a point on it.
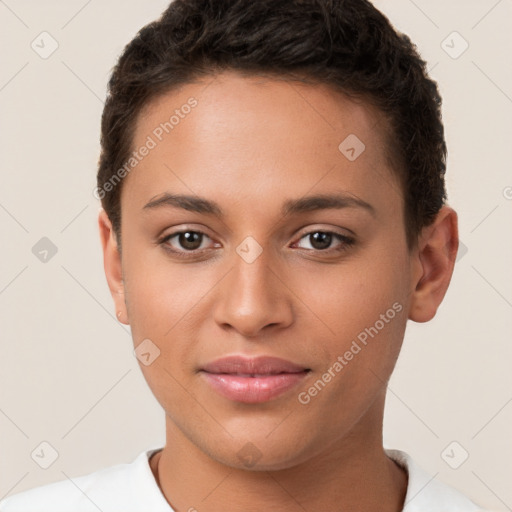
(248, 136)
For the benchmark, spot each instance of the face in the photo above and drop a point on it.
(264, 256)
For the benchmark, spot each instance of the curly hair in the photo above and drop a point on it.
(346, 44)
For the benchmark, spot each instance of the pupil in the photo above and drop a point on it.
(320, 240)
(190, 240)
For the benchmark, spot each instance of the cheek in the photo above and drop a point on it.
(163, 299)
(362, 308)
(353, 295)
(366, 319)
(160, 294)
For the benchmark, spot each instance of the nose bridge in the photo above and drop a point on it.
(253, 297)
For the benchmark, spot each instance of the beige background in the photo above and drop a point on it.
(67, 372)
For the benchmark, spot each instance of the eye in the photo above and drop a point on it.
(185, 241)
(323, 240)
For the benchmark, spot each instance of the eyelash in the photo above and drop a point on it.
(347, 242)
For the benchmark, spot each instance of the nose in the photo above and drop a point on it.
(253, 299)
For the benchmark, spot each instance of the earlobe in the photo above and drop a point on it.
(112, 265)
(434, 263)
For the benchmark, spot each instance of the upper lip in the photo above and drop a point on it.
(262, 365)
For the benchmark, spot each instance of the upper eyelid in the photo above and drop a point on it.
(326, 230)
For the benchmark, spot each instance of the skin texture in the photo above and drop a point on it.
(249, 145)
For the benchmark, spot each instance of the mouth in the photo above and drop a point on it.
(253, 380)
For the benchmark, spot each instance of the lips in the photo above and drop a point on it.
(262, 365)
(252, 380)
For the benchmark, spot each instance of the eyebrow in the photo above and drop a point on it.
(290, 207)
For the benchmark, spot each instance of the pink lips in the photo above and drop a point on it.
(252, 380)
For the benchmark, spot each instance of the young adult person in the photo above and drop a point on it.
(273, 213)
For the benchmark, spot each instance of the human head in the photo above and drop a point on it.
(346, 44)
(245, 146)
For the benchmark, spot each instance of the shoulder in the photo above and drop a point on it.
(112, 489)
(80, 494)
(424, 492)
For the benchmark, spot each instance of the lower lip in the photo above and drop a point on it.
(253, 390)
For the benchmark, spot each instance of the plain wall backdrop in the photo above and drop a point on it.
(68, 376)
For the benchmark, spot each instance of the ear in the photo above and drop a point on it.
(434, 261)
(112, 265)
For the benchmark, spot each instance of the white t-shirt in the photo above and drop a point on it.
(132, 488)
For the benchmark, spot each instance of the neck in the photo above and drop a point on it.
(353, 474)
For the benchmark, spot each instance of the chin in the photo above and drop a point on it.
(261, 451)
